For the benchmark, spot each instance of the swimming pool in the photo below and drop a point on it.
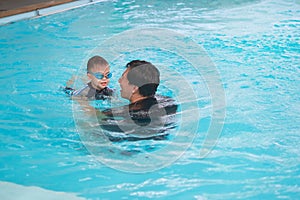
(255, 48)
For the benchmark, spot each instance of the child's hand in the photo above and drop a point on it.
(70, 82)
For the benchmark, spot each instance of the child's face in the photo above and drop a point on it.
(99, 77)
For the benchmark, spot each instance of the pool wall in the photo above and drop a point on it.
(42, 10)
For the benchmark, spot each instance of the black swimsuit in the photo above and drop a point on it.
(149, 118)
(91, 92)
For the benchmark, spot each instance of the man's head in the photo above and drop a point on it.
(141, 74)
(98, 72)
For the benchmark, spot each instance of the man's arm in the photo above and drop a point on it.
(87, 108)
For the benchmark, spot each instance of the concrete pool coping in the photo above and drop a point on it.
(14, 7)
(16, 10)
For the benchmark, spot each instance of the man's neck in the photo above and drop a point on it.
(137, 97)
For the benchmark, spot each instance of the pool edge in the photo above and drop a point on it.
(47, 11)
(11, 190)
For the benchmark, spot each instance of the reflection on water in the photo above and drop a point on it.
(144, 136)
(153, 119)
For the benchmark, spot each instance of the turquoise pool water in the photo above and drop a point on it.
(255, 48)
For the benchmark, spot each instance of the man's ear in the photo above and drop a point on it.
(135, 89)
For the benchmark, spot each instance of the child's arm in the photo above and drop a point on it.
(70, 82)
(70, 89)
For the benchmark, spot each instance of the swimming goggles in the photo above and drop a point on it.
(99, 75)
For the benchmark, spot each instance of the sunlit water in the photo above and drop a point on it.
(255, 47)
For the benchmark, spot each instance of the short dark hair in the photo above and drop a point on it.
(144, 75)
(96, 61)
